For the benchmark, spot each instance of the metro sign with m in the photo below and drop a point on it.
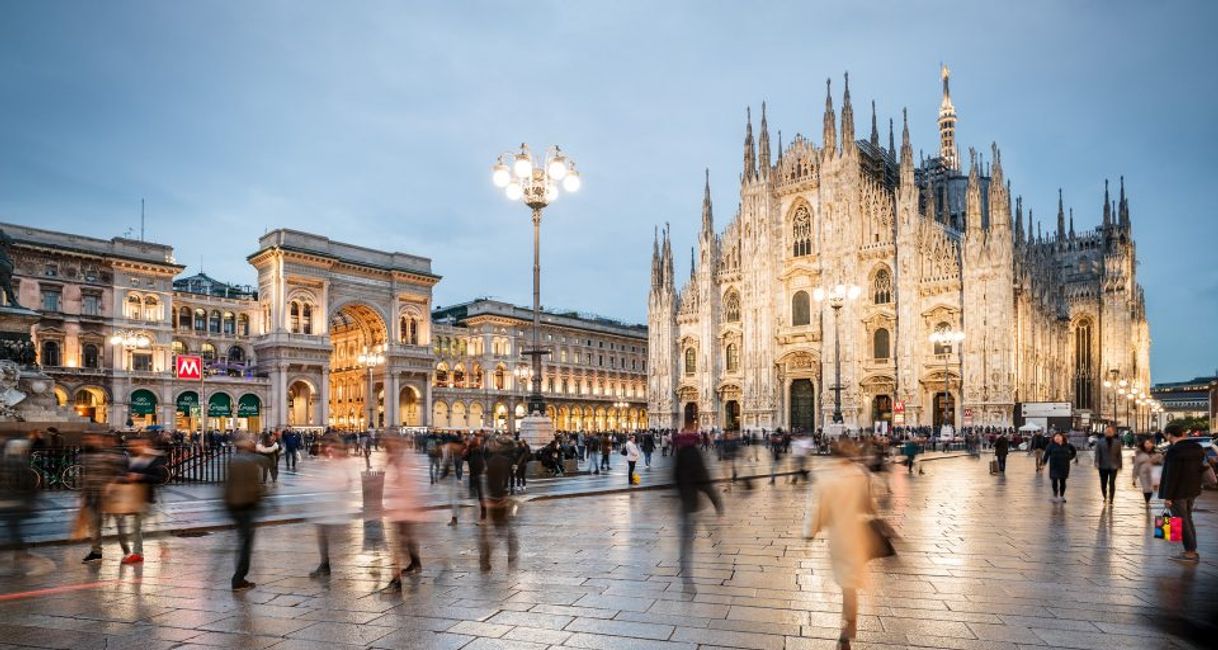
(189, 366)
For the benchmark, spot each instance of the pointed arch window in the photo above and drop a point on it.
(732, 357)
(881, 287)
(731, 307)
(691, 361)
(1084, 373)
(801, 313)
(881, 348)
(801, 232)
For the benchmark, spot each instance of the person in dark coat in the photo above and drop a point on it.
(1002, 447)
(242, 492)
(1058, 455)
(498, 503)
(1108, 460)
(1181, 485)
(523, 456)
(692, 480)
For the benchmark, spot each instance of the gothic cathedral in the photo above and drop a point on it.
(749, 340)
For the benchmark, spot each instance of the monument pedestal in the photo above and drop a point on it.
(27, 395)
(537, 430)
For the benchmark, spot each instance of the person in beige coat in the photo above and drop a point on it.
(402, 510)
(1147, 467)
(843, 505)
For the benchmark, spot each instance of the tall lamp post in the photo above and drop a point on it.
(837, 296)
(1120, 385)
(128, 341)
(621, 405)
(370, 359)
(949, 339)
(537, 185)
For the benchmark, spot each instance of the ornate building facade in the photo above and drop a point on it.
(594, 377)
(934, 247)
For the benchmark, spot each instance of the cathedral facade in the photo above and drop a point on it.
(933, 247)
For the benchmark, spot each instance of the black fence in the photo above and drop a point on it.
(60, 468)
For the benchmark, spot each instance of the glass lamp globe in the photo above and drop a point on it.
(523, 166)
(557, 169)
(514, 191)
(818, 294)
(501, 176)
(571, 182)
(551, 192)
(853, 292)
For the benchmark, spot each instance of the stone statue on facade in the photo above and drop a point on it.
(6, 270)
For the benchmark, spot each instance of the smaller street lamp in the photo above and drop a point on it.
(523, 375)
(837, 296)
(371, 359)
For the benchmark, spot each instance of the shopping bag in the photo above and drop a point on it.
(1167, 527)
(124, 499)
(881, 539)
(635, 479)
(993, 467)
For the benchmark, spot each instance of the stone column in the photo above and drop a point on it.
(279, 396)
(323, 406)
(426, 413)
(392, 400)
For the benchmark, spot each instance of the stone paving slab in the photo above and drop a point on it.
(984, 563)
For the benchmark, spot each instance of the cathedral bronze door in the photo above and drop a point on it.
(945, 409)
(731, 415)
(881, 409)
(803, 406)
(691, 416)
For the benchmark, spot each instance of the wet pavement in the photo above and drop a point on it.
(984, 562)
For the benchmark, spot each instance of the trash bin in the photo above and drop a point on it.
(374, 490)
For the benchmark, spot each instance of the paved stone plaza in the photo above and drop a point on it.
(984, 562)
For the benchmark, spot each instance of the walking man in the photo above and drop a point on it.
(1181, 484)
(1002, 447)
(649, 447)
(632, 458)
(606, 449)
(242, 494)
(1108, 461)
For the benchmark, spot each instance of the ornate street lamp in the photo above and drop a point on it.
(837, 296)
(523, 375)
(370, 359)
(522, 179)
(950, 339)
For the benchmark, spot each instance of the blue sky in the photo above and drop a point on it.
(376, 123)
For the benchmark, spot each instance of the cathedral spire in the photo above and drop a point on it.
(1107, 206)
(655, 259)
(693, 263)
(1019, 219)
(1000, 196)
(1123, 206)
(750, 159)
(1031, 219)
(892, 149)
(906, 148)
(1071, 223)
(948, 152)
(763, 145)
(847, 119)
(666, 253)
(972, 194)
(779, 144)
(1061, 216)
(830, 131)
(875, 133)
(708, 219)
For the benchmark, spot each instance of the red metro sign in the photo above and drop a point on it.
(189, 366)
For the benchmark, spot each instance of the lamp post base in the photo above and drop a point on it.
(537, 430)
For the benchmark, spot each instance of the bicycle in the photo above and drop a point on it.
(50, 476)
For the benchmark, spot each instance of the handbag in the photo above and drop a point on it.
(881, 539)
(1167, 527)
(124, 499)
(80, 525)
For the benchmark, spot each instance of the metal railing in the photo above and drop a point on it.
(61, 468)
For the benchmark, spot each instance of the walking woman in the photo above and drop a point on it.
(1147, 466)
(401, 511)
(844, 503)
(1058, 456)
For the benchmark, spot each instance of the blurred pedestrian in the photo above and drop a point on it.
(631, 451)
(402, 510)
(523, 456)
(291, 449)
(475, 457)
(18, 490)
(843, 505)
(606, 450)
(499, 504)
(100, 466)
(1147, 468)
(1039, 443)
(1058, 454)
(145, 469)
(692, 481)
(1181, 485)
(331, 509)
(269, 447)
(1108, 459)
(1002, 447)
(242, 492)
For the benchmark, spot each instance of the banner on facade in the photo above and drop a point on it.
(143, 402)
(968, 417)
(898, 413)
(249, 406)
